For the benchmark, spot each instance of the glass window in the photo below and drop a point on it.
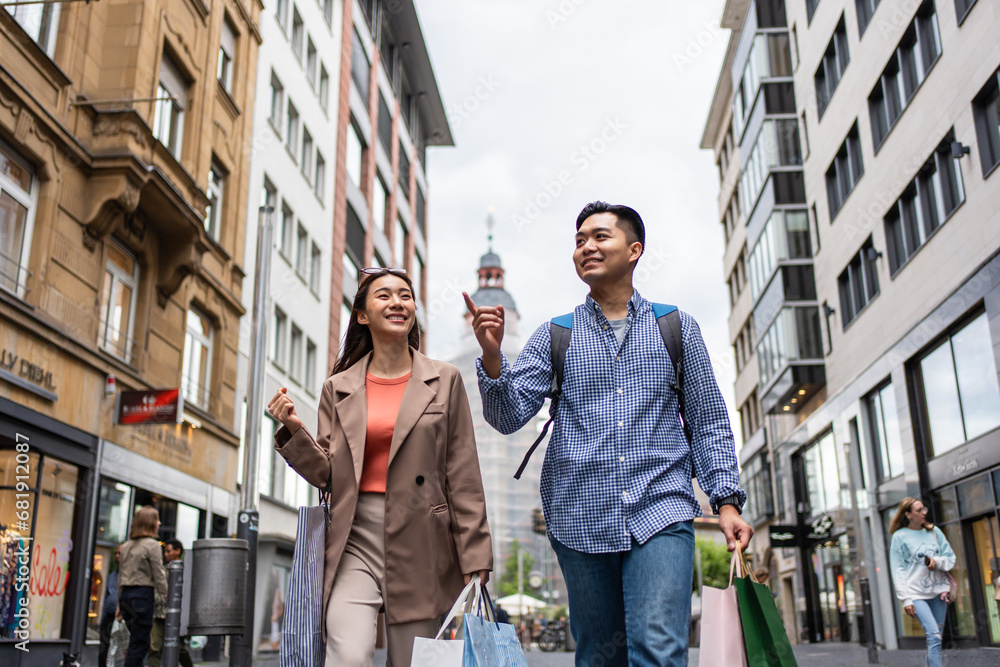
(312, 63)
(354, 154)
(975, 496)
(987, 112)
(285, 227)
(822, 476)
(301, 249)
(345, 319)
(197, 372)
(113, 512)
(266, 460)
(292, 131)
(960, 390)
(118, 296)
(168, 111)
(962, 618)
(399, 243)
(227, 52)
(946, 506)
(41, 22)
(324, 86)
(378, 204)
(281, 13)
(307, 155)
(884, 424)
(278, 350)
(845, 171)
(360, 66)
(295, 356)
(858, 284)
(298, 33)
(831, 67)
(17, 203)
(216, 190)
(315, 268)
(273, 599)
(417, 275)
(277, 110)
(310, 373)
(319, 184)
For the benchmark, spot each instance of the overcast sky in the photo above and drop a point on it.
(553, 104)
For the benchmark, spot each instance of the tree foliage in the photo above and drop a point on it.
(508, 579)
(715, 559)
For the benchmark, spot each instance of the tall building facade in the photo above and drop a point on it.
(865, 295)
(293, 154)
(347, 105)
(122, 208)
(511, 504)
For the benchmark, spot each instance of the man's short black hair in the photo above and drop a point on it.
(176, 545)
(628, 220)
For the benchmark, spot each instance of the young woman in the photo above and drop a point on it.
(140, 573)
(396, 447)
(919, 557)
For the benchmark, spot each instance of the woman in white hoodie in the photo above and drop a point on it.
(920, 558)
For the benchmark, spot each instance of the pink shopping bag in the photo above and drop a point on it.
(721, 642)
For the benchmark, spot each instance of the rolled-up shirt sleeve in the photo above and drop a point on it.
(713, 449)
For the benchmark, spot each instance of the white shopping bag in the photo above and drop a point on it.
(439, 652)
(119, 644)
(721, 642)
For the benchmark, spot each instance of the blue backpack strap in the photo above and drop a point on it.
(560, 330)
(668, 320)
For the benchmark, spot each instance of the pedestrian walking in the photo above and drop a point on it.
(920, 558)
(395, 446)
(108, 610)
(140, 577)
(172, 550)
(616, 482)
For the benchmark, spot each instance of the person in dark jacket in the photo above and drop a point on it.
(108, 611)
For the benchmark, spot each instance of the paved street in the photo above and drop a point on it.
(810, 655)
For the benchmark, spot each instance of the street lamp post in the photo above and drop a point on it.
(241, 651)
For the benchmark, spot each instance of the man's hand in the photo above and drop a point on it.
(488, 324)
(282, 408)
(736, 530)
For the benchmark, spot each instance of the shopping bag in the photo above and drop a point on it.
(440, 652)
(118, 646)
(302, 633)
(721, 643)
(763, 631)
(488, 643)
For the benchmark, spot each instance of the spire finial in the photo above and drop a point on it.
(489, 227)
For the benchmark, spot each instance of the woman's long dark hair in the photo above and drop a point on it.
(357, 343)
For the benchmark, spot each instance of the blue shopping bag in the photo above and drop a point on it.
(302, 634)
(488, 643)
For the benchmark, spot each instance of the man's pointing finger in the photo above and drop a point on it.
(469, 303)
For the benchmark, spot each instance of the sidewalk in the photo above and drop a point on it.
(807, 655)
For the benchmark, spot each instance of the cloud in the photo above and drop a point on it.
(652, 66)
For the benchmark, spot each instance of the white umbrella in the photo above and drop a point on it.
(520, 604)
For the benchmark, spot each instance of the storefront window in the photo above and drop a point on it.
(962, 617)
(48, 496)
(822, 476)
(975, 496)
(274, 608)
(113, 512)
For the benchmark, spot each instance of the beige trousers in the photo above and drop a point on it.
(358, 595)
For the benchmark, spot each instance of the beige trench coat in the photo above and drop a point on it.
(435, 508)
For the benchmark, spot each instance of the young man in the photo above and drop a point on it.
(616, 482)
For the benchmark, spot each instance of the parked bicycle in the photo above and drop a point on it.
(553, 637)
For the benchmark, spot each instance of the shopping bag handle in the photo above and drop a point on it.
(463, 603)
(745, 571)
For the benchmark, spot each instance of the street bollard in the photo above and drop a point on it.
(172, 625)
(866, 608)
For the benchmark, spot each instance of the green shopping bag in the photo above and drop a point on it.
(763, 632)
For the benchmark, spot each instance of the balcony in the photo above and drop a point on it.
(790, 359)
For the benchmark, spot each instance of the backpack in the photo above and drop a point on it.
(668, 319)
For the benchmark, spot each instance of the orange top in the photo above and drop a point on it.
(384, 397)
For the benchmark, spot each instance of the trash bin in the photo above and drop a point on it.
(218, 587)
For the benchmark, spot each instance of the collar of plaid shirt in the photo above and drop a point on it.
(617, 465)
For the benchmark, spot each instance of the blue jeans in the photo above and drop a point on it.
(632, 607)
(931, 614)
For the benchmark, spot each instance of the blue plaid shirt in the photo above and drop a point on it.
(618, 465)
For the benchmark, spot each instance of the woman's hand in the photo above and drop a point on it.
(483, 574)
(932, 565)
(283, 409)
(910, 611)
